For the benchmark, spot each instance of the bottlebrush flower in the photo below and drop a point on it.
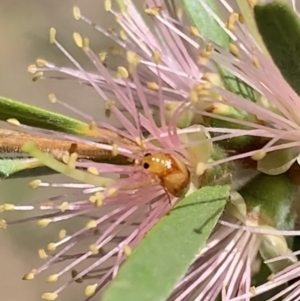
(120, 203)
(178, 72)
(167, 81)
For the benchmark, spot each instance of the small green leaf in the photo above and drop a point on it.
(278, 162)
(279, 27)
(248, 16)
(270, 198)
(269, 201)
(11, 166)
(208, 27)
(34, 116)
(164, 256)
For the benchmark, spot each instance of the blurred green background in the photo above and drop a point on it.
(24, 27)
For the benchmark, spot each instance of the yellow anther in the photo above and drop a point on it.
(127, 250)
(102, 56)
(233, 18)
(205, 54)
(51, 247)
(37, 76)
(62, 234)
(13, 121)
(112, 192)
(86, 44)
(98, 202)
(92, 199)
(255, 62)
(44, 222)
(35, 184)
(200, 168)
(153, 86)
(64, 206)
(107, 5)
(52, 278)
(234, 49)
(41, 62)
(52, 34)
(76, 13)
(172, 106)
(90, 290)
(123, 72)
(3, 224)
(259, 155)
(132, 58)
(42, 254)
(32, 69)
(97, 199)
(70, 160)
(93, 170)
(91, 224)
(194, 31)
(153, 11)
(93, 249)
(241, 19)
(156, 55)
(8, 207)
(115, 150)
(50, 296)
(28, 276)
(213, 78)
(52, 98)
(252, 290)
(204, 57)
(78, 39)
(123, 35)
(65, 158)
(73, 159)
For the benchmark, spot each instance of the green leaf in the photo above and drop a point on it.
(270, 199)
(165, 254)
(248, 16)
(278, 162)
(11, 166)
(279, 27)
(208, 27)
(34, 116)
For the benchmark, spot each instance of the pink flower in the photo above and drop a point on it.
(120, 203)
(166, 82)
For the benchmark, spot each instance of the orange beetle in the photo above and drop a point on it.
(172, 174)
